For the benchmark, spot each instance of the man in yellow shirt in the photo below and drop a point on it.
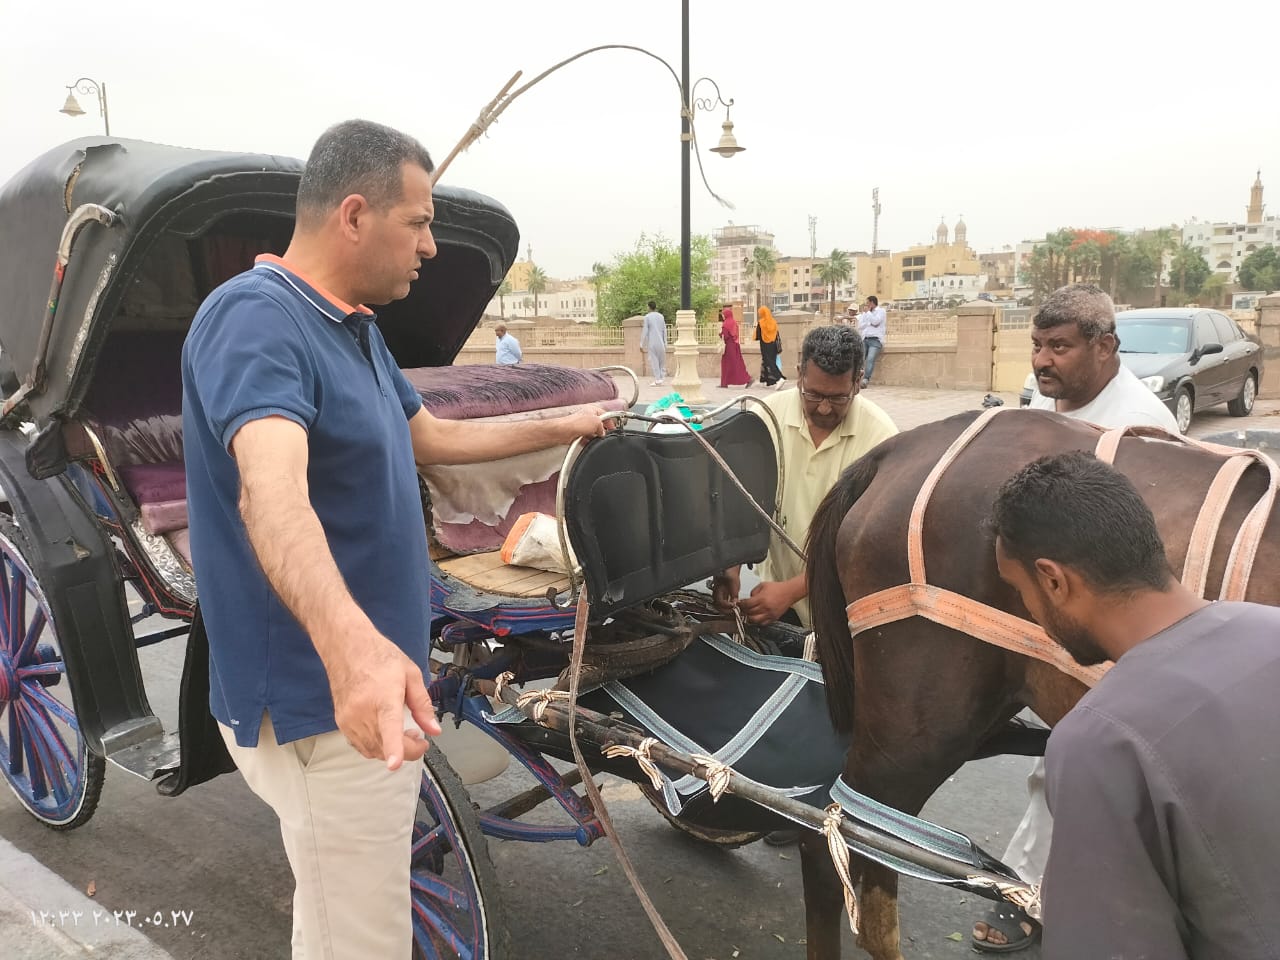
(825, 426)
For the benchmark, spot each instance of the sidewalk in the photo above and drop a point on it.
(43, 917)
(911, 406)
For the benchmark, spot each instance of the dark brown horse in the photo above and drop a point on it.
(920, 698)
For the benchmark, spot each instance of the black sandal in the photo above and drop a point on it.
(1008, 919)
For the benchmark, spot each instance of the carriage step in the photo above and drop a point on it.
(143, 748)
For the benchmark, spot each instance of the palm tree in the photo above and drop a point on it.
(599, 274)
(537, 285)
(1158, 242)
(836, 269)
(761, 265)
(504, 291)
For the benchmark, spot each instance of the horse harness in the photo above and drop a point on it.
(919, 598)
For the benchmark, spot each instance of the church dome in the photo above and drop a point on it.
(942, 231)
(962, 231)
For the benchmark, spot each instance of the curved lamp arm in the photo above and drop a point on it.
(506, 95)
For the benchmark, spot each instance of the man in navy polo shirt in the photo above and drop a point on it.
(307, 533)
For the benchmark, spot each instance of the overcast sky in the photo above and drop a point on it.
(1022, 117)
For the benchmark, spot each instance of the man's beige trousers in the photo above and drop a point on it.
(347, 824)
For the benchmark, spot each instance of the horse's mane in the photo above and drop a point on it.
(826, 593)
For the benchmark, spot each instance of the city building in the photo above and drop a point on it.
(563, 299)
(1001, 268)
(731, 259)
(1224, 245)
(925, 271)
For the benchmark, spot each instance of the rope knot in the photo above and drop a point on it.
(831, 821)
(716, 774)
(641, 755)
(538, 700)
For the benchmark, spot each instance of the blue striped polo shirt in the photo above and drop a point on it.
(270, 343)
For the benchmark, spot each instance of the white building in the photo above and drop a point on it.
(1224, 246)
(567, 300)
(966, 286)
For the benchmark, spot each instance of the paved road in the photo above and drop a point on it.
(214, 855)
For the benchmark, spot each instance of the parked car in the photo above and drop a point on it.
(1191, 358)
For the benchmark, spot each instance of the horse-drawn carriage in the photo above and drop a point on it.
(91, 466)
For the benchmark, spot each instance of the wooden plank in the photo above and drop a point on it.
(474, 565)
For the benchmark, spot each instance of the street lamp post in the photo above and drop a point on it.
(687, 380)
(86, 86)
(686, 320)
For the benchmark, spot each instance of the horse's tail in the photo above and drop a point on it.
(826, 593)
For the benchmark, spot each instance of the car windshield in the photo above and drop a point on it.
(1162, 335)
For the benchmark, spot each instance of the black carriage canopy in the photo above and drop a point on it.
(208, 212)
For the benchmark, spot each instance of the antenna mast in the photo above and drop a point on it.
(875, 221)
(813, 237)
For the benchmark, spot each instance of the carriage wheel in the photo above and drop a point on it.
(46, 759)
(457, 907)
(721, 838)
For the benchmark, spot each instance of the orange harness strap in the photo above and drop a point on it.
(1010, 632)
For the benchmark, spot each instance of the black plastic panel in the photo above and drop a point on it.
(648, 513)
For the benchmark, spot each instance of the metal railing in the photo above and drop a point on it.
(906, 329)
(581, 337)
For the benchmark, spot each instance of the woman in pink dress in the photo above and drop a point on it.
(733, 371)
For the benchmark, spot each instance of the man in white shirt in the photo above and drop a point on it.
(507, 347)
(1076, 360)
(871, 324)
(653, 340)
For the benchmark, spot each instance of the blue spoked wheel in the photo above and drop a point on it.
(46, 760)
(457, 908)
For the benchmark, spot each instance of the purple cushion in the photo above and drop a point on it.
(154, 482)
(164, 516)
(487, 390)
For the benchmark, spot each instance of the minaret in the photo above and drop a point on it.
(942, 233)
(1255, 201)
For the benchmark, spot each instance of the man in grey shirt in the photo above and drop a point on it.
(653, 340)
(1163, 779)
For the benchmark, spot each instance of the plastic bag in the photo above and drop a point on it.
(535, 542)
(672, 405)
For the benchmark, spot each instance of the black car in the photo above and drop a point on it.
(1191, 358)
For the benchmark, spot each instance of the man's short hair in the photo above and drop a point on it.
(652, 305)
(500, 330)
(357, 156)
(835, 350)
(1084, 304)
(1082, 513)
(875, 302)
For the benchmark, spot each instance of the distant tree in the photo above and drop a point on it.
(836, 270)
(1152, 246)
(1261, 270)
(1189, 269)
(1049, 266)
(504, 291)
(1214, 291)
(599, 273)
(652, 272)
(537, 285)
(761, 266)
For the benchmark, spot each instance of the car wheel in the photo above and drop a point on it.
(1183, 408)
(1242, 405)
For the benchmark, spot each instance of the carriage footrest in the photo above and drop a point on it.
(142, 748)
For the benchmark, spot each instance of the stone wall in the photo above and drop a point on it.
(933, 350)
(1269, 334)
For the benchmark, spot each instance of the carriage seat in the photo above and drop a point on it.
(474, 506)
(134, 406)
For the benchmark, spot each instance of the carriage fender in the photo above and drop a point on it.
(74, 562)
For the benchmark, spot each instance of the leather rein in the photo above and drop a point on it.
(919, 598)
